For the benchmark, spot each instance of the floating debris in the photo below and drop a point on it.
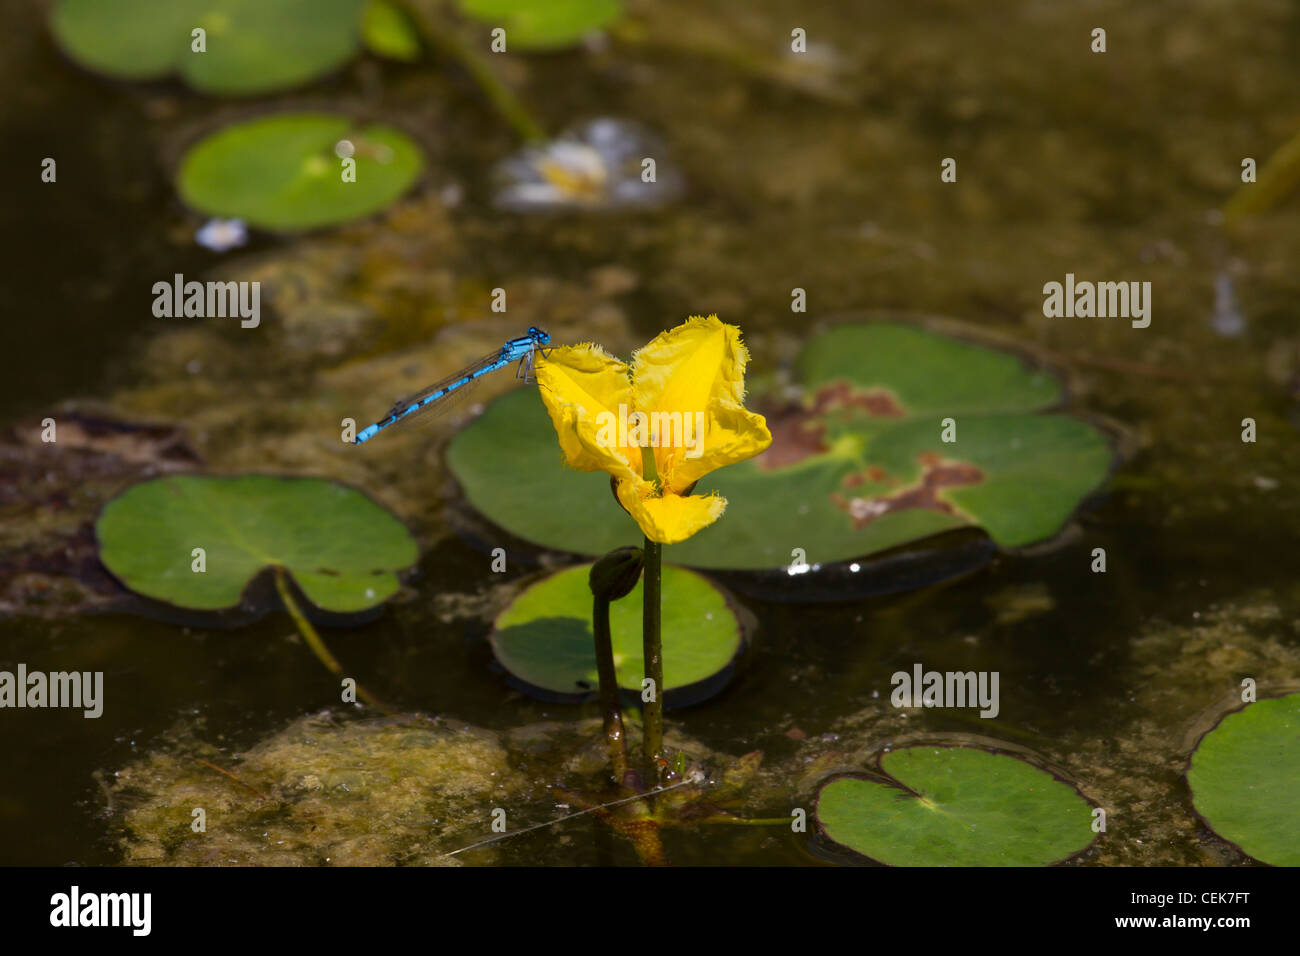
(324, 791)
(222, 235)
(604, 164)
(1227, 319)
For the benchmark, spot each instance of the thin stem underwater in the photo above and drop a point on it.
(608, 679)
(308, 634)
(441, 36)
(651, 638)
(652, 647)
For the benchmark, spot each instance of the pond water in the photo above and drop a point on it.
(822, 176)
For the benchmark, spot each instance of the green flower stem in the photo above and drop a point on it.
(653, 711)
(651, 641)
(314, 640)
(440, 35)
(614, 733)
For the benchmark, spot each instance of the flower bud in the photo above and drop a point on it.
(615, 575)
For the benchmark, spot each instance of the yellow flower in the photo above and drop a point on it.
(677, 405)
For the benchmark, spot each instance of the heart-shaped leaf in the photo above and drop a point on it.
(544, 637)
(341, 548)
(249, 46)
(283, 172)
(956, 806)
(861, 466)
(1245, 779)
(555, 24)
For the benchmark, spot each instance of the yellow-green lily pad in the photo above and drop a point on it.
(386, 31)
(859, 467)
(955, 806)
(551, 25)
(284, 172)
(1245, 779)
(544, 639)
(342, 549)
(248, 46)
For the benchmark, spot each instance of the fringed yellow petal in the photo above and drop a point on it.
(582, 387)
(687, 368)
(672, 518)
(732, 434)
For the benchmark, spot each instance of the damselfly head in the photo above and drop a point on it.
(540, 336)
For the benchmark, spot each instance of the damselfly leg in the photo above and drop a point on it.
(527, 365)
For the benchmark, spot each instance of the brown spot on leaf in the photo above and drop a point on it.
(876, 402)
(936, 475)
(795, 436)
(871, 473)
(799, 432)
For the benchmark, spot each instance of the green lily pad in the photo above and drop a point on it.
(956, 806)
(251, 46)
(1245, 779)
(342, 549)
(859, 468)
(555, 24)
(544, 638)
(387, 32)
(282, 173)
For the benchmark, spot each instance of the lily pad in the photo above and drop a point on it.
(251, 46)
(555, 24)
(342, 549)
(1245, 779)
(387, 32)
(544, 637)
(956, 806)
(857, 469)
(282, 172)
